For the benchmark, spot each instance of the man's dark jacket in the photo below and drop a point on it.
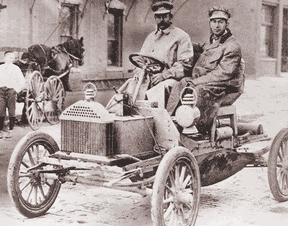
(219, 70)
(219, 63)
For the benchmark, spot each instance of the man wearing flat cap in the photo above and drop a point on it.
(172, 46)
(218, 75)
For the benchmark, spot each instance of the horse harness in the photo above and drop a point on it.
(54, 53)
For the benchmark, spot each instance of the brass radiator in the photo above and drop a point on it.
(82, 131)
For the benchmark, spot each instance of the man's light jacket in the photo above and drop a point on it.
(173, 47)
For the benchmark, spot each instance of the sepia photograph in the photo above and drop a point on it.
(144, 112)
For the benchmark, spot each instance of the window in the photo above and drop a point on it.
(114, 42)
(267, 21)
(69, 21)
(284, 59)
(285, 33)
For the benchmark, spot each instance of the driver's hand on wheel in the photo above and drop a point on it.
(157, 78)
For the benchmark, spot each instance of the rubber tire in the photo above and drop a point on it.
(161, 176)
(13, 174)
(272, 166)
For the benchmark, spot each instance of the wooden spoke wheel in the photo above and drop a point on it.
(54, 99)
(35, 100)
(176, 189)
(30, 190)
(278, 166)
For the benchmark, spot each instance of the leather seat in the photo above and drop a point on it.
(230, 98)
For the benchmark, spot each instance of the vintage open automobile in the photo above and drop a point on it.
(138, 147)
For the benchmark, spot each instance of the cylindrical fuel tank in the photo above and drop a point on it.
(223, 133)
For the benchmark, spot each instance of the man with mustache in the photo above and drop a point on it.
(173, 47)
(218, 75)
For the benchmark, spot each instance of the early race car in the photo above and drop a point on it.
(139, 148)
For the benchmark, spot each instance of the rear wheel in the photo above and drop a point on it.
(278, 166)
(54, 99)
(31, 192)
(176, 189)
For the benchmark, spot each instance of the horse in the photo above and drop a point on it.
(57, 60)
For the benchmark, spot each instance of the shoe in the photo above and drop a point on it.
(21, 123)
(3, 6)
(8, 134)
(1, 134)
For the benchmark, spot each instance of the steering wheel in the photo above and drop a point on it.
(150, 64)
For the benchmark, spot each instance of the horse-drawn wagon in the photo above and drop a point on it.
(46, 72)
(138, 148)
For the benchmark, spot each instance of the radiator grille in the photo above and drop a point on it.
(87, 137)
(82, 130)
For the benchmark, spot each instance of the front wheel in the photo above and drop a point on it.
(278, 166)
(30, 191)
(176, 190)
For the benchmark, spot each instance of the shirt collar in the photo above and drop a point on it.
(165, 31)
(214, 37)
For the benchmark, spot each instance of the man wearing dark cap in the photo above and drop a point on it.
(172, 46)
(218, 75)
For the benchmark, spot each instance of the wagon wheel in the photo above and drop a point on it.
(176, 190)
(278, 166)
(34, 100)
(30, 191)
(151, 64)
(54, 99)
